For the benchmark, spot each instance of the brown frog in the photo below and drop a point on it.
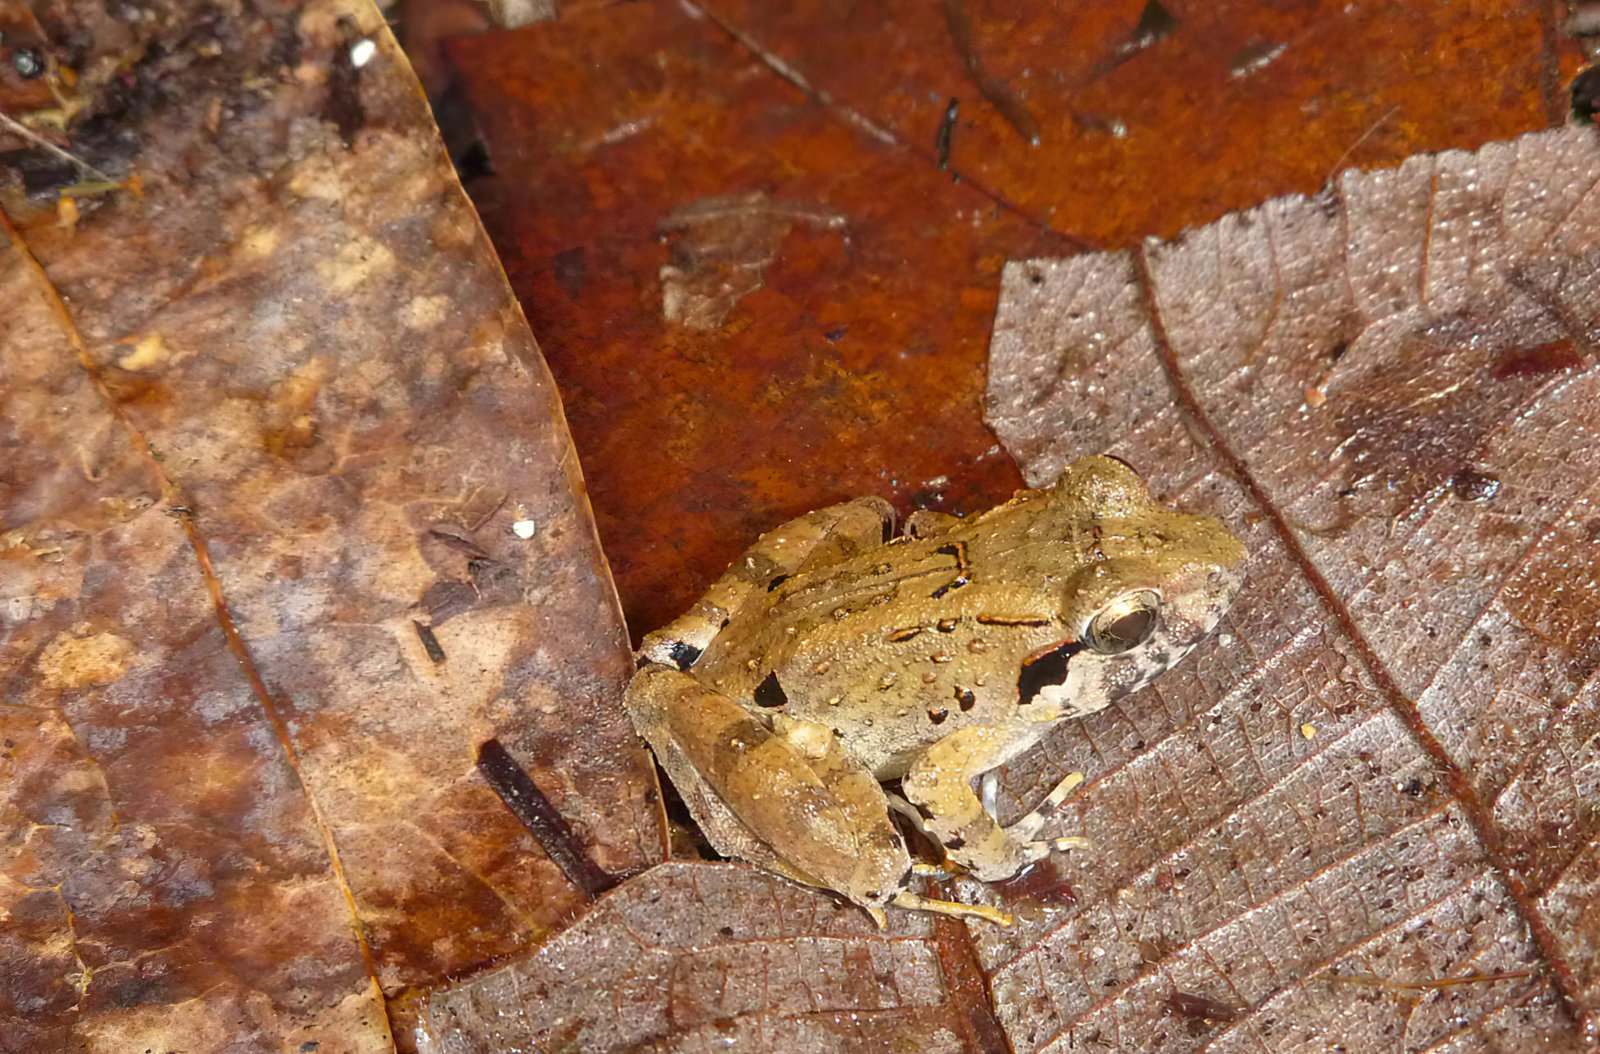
(834, 656)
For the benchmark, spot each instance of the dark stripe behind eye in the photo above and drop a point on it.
(1045, 670)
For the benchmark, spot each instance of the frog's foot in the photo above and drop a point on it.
(956, 909)
(1027, 828)
(940, 785)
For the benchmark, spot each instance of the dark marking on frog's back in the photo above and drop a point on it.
(682, 654)
(770, 694)
(1012, 620)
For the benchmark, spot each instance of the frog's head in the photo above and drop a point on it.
(1149, 584)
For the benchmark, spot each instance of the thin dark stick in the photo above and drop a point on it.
(528, 803)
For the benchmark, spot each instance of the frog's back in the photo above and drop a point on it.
(896, 647)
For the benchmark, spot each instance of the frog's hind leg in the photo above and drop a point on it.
(940, 784)
(789, 800)
(824, 536)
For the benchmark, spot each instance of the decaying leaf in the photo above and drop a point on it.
(698, 956)
(753, 308)
(291, 525)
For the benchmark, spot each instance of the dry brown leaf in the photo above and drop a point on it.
(279, 369)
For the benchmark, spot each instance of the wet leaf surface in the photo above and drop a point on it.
(292, 525)
(732, 287)
(844, 352)
(675, 969)
(1381, 772)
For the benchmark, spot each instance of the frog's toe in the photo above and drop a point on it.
(1045, 846)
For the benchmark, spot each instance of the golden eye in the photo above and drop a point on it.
(1123, 624)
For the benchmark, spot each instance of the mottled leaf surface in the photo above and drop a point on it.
(291, 525)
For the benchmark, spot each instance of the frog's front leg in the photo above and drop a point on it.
(786, 799)
(940, 784)
(824, 536)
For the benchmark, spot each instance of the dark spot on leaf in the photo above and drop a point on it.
(769, 693)
(1337, 352)
(777, 581)
(1155, 23)
(1204, 1008)
(1554, 357)
(955, 843)
(941, 139)
(1045, 670)
(571, 270)
(430, 642)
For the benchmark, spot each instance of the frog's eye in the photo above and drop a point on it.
(1123, 624)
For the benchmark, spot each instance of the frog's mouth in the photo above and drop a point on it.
(1046, 668)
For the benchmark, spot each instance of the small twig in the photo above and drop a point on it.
(22, 130)
(528, 803)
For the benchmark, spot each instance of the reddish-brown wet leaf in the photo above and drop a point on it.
(280, 370)
(786, 157)
(733, 288)
(1126, 118)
